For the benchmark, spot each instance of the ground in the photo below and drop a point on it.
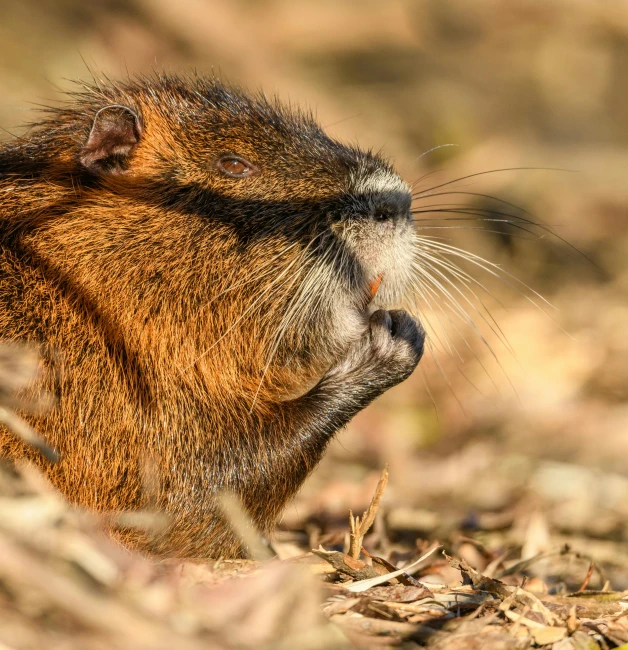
(513, 455)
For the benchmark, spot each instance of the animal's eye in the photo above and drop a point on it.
(235, 166)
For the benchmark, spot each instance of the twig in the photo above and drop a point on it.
(359, 527)
(346, 565)
(587, 578)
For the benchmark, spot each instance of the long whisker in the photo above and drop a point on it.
(421, 178)
(454, 305)
(434, 269)
(426, 284)
(458, 310)
(492, 171)
(464, 277)
(479, 214)
(272, 269)
(432, 266)
(530, 220)
(421, 289)
(303, 297)
(424, 224)
(494, 270)
(447, 381)
(442, 280)
(483, 229)
(483, 196)
(272, 285)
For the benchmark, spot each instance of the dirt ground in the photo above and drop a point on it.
(510, 446)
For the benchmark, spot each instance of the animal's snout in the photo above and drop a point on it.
(390, 206)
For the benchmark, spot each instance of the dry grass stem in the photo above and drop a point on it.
(359, 527)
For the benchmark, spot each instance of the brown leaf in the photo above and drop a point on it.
(398, 593)
(479, 581)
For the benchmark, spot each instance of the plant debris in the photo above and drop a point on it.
(526, 493)
(63, 584)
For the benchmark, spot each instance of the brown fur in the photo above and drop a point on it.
(155, 288)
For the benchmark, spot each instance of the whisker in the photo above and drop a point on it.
(251, 307)
(483, 196)
(467, 319)
(434, 171)
(493, 171)
(494, 270)
(456, 308)
(479, 215)
(446, 293)
(447, 381)
(428, 389)
(439, 146)
(420, 289)
(467, 279)
(531, 220)
(479, 229)
(302, 297)
(444, 281)
(466, 378)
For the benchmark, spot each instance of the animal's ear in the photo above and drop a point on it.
(115, 132)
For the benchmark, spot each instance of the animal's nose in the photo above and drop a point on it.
(391, 206)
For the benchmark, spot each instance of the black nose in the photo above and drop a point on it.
(390, 206)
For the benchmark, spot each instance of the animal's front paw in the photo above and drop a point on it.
(396, 343)
(387, 353)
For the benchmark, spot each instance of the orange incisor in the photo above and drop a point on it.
(374, 285)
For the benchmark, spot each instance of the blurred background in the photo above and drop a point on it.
(522, 435)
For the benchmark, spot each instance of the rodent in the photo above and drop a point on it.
(216, 286)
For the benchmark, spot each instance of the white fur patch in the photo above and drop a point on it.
(382, 180)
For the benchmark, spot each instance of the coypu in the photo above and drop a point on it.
(216, 287)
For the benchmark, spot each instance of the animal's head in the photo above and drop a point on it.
(186, 208)
(244, 204)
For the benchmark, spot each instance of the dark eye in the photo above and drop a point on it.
(235, 166)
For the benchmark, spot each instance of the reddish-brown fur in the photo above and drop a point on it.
(157, 318)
